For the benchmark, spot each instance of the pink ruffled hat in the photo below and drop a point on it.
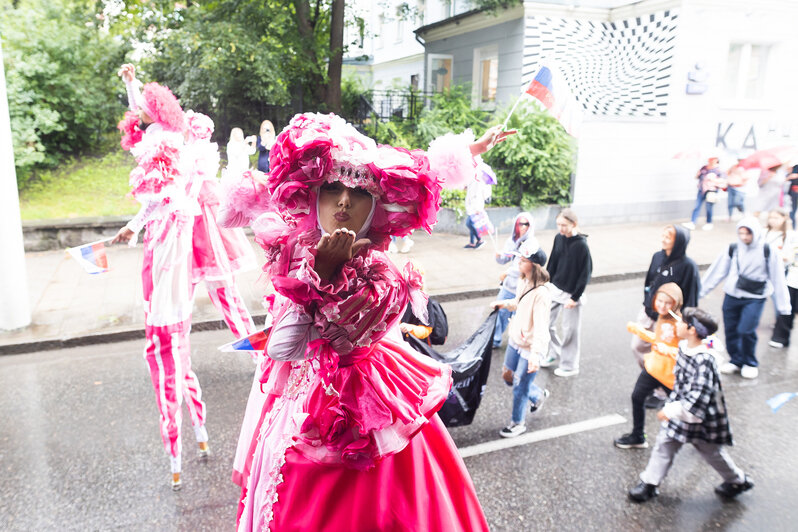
(161, 105)
(316, 148)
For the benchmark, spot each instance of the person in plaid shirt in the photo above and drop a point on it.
(695, 413)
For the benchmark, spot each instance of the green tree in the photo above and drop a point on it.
(60, 71)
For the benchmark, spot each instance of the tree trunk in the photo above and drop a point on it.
(314, 83)
(336, 56)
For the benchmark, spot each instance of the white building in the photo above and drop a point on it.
(387, 54)
(660, 82)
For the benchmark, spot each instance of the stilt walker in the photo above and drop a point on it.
(153, 132)
(217, 253)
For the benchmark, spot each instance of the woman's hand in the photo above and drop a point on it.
(335, 249)
(123, 235)
(405, 328)
(491, 137)
(661, 416)
(570, 304)
(127, 72)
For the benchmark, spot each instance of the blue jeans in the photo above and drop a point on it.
(473, 235)
(794, 201)
(740, 320)
(700, 200)
(736, 199)
(503, 318)
(524, 387)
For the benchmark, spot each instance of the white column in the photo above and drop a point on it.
(15, 307)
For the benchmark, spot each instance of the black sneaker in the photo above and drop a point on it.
(643, 492)
(730, 490)
(631, 441)
(537, 406)
(654, 402)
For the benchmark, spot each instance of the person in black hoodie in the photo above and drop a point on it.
(670, 265)
(570, 266)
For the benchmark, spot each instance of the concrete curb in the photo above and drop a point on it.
(215, 325)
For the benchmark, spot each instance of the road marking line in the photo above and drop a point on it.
(541, 435)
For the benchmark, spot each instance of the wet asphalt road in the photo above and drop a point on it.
(80, 450)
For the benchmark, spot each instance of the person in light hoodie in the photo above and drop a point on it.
(751, 272)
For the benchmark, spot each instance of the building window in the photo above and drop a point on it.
(439, 72)
(380, 31)
(746, 71)
(486, 76)
(401, 14)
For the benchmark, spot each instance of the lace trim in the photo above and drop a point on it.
(298, 384)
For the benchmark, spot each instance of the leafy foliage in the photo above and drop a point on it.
(535, 165)
(451, 112)
(60, 72)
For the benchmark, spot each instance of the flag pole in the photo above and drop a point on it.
(517, 101)
(92, 243)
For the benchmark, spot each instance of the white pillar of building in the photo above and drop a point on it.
(14, 301)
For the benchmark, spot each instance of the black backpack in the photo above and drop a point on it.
(438, 322)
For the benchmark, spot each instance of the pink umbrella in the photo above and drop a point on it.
(770, 157)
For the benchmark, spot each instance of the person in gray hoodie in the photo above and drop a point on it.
(752, 272)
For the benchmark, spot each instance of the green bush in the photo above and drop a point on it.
(450, 112)
(534, 166)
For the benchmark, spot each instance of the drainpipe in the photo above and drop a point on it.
(422, 43)
(15, 310)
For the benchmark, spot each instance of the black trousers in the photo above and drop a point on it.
(643, 387)
(783, 328)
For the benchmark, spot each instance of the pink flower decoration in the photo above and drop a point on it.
(129, 127)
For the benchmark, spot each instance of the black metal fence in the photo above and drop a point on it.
(389, 104)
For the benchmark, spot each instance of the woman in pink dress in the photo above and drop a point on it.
(340, 432)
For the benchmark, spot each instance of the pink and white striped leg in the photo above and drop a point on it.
(226, 297)
(168, 356)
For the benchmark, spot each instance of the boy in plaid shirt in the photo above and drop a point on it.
(695, 413)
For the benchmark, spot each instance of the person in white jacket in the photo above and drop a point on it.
(528, 336)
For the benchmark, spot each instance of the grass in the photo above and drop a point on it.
(85, 186)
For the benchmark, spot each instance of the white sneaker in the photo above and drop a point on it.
(707, 227)
(689, 225)
(392, 248)
(561, 372)
(777, 345)
(406, 245)
(728, 368)
(749, 372)
(512, 430)
(548, 361)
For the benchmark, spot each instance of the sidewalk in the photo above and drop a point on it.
(71, 307)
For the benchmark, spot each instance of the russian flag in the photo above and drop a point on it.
(542, 88)
(551, 90)
(254, 342)
(91, 256)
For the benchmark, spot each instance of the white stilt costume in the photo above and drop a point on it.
(160, 182)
